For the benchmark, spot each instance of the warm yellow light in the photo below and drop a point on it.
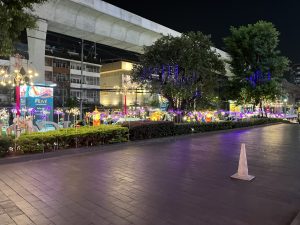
(30, 76)
(9, 81)
(29, 71)
(31, 83)
(36, 74)
(127, 66)
(16, 71)
(2, 71)
(13, 85)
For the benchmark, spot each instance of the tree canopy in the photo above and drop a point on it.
(14, 18)
(256, 62)
(182, 69)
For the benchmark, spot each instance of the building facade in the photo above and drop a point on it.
(70, 82)
(116, 86)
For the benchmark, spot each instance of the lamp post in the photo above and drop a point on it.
(58, 111)
(19, 76)
(127, 86)
(81, 79)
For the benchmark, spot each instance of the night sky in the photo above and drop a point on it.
(216, 16)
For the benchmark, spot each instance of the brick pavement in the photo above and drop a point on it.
(184, 181)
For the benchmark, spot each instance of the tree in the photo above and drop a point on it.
(15, 17)
(256, 62)
(72, 102)
(182, 69)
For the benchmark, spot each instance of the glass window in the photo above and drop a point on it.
(48, 62)
(48, 76)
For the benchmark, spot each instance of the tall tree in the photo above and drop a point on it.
(15, 17)
(256, 62)
(182, 69)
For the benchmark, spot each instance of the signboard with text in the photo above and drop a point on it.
(40, 99)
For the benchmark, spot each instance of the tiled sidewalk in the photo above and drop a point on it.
(184, 182)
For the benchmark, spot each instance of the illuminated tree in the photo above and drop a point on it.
(182, 69)
(256, 62)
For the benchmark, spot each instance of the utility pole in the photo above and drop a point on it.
(81, 80)
(136, 90)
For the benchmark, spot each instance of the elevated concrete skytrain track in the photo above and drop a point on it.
(92, 20)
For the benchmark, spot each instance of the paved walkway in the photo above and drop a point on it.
(184, 182)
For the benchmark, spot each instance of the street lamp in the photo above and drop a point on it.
(127, 86)
(19, 76)
(16, 78)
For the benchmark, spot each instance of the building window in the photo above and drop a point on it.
(93, 80)
(92, 94)
(60, 77)
(48, 76)
(76, 66)
(93, 69)
(75, 79)
(60, 63)
(48, 62)
(88, 68)
(76, 94)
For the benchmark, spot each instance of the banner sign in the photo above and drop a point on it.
(40, 99)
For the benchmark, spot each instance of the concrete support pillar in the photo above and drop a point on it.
(36, 49)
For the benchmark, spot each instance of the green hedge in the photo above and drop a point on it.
(5, 143)
(187, 128)
(71, 137)
(106, 134)
(146, 130)
(149, 129)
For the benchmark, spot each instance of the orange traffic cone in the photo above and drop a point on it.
(242, 173)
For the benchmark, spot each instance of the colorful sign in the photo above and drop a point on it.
(40, 99)
(233, 107)
(96, 118)
(163, 103)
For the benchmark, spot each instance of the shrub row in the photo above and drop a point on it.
(71, 137)
(5, 143)
(188, 128)
(88, 136)
(146, 130)
(149, 129)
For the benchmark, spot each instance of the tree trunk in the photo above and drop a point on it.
(183, 105)
(266, 113)
(261, 108)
